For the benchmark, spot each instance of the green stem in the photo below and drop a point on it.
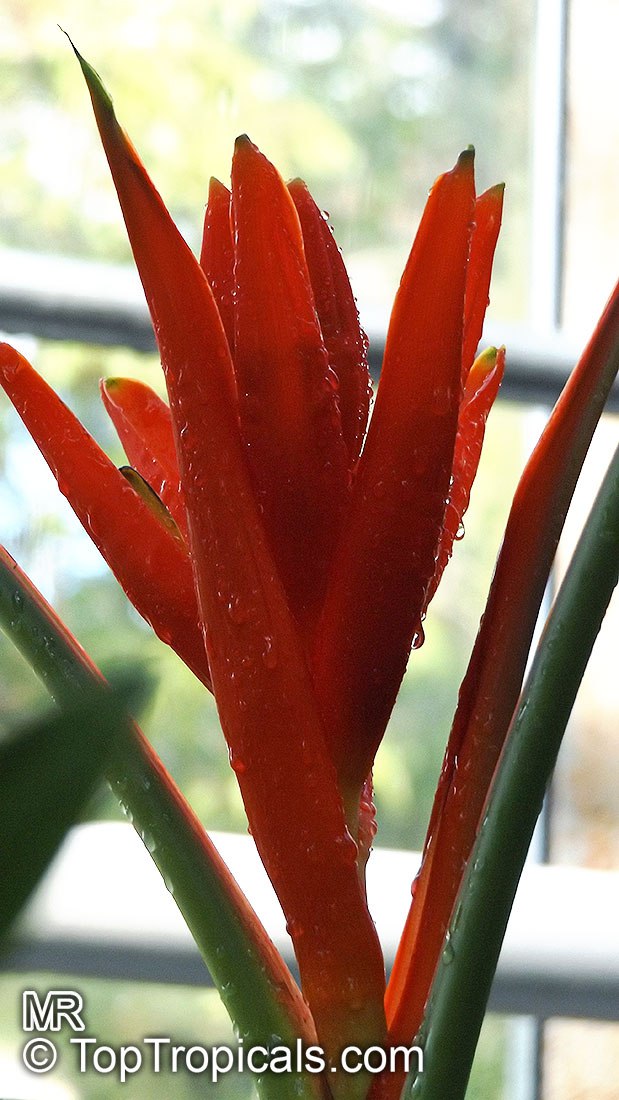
(254, 982)
(462, 984)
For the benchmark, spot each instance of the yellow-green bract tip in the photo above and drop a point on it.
(93, 80)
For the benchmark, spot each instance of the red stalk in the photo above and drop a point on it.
(149, 563)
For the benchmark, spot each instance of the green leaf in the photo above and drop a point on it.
(254, 982)
(48, 771)
(460, 992)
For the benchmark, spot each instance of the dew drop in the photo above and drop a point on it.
(127, 812)
(269, 656)
(237, 610)
(347, 849)
(448, 951)
(294, 928)
(332, 380)
(149, 842)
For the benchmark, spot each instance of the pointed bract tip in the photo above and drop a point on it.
(488, 355)
(494, 194)
(467, 157)
(111, 389)
(95, 84)
(216, 188)
(484, 363)
(243, 141)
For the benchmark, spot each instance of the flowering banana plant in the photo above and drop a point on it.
(286, 545)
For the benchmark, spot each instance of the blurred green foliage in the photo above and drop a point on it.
(368, 101)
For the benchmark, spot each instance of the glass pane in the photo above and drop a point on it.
(592, 217)
(582, 1058)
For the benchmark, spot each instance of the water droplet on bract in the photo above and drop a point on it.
(239, 766)
(460, 532)
(237, 610)
(332, 380)
(347, 849)
(418, 638)
(18, 603)
(294, 928)
(269, 656)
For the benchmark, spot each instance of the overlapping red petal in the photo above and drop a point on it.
(480, 390)
(150, 564)
(217, 253)
(144, 427)
(345, 341)
(485, 232)
(289, 411)
(386, 555)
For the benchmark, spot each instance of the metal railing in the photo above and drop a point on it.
(84, 302)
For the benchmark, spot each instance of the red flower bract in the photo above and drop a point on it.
(285, 550)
